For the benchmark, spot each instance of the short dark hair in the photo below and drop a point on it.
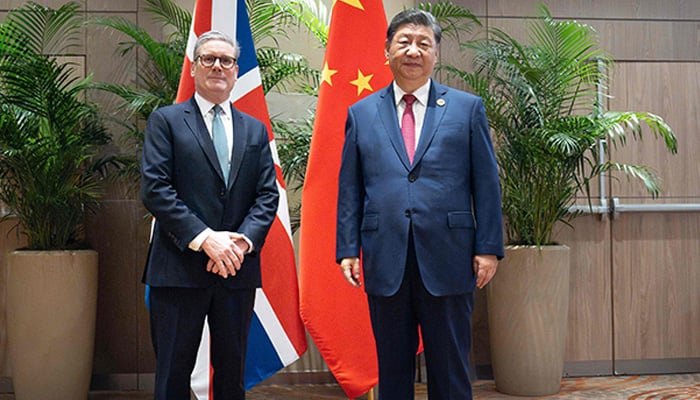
(417, 17)
(216, 35)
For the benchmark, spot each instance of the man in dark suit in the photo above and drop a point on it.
(419, 198)
(213, 206)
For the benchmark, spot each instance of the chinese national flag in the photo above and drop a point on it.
(336, 314)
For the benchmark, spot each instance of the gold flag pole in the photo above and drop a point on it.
(370, 394)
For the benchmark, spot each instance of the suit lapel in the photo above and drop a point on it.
(195, 122)
(434, 112)
(387, 114)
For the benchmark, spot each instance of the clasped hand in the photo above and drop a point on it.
(226, 251)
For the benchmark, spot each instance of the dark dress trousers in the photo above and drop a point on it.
(184, 189)
(417, 227)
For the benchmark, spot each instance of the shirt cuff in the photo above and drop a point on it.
(196, 243)
(250, 244)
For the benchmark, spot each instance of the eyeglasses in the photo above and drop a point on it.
(208, 61)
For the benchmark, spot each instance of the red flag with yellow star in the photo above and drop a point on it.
(336, 314)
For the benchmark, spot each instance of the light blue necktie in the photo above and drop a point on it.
(218, 135)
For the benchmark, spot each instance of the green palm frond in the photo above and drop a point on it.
(270, 19)
(171, 15)
(267, 22)
(311, 14)
(42, 30)
(278, 68)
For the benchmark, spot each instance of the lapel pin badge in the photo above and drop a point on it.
(440, 102)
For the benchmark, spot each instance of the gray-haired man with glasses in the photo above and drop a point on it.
(208, 178)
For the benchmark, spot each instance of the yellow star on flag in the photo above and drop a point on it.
(327, 73)
(362, 82)
(353, 3)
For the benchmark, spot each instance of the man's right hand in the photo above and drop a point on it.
(225, 257)
(351, 270)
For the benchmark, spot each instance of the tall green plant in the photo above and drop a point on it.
(542, 103)
(49, 134)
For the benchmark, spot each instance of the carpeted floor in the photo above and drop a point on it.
(652, 387)
(645, 387)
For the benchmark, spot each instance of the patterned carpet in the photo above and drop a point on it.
(652, 387)
(645, 387)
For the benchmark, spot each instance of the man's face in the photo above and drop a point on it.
(214, 83)
(412, 54)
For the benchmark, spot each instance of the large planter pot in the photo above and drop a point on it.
(528, 303)
(51, 307)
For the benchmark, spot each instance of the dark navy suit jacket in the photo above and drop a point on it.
(449, 196)
(183, 187)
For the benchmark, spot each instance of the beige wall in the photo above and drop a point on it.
(634, 299)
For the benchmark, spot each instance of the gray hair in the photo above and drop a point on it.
(216, 35)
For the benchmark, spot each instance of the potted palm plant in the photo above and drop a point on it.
(544, 109)
(50, 136)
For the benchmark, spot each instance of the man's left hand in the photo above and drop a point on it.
(484, 269)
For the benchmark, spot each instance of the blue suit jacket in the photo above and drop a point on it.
(449, 197)
(183, 187)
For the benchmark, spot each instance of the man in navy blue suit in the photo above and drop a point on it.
(213, 206)
(419, 200)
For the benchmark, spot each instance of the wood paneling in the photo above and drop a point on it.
(671, 90)
(656, 276)
(119, 225)
(112, 6)
(629, 40)
(600, 9)
(590, 312)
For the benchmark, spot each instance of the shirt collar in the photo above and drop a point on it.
(205, 105)
(421, 93)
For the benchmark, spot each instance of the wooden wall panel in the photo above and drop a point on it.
(599, 9)
(629, 40)
(9, 4)
(119, 223)
(477, 7)
(112, 6)
(656, 277)
(673, 92)
(590, 312)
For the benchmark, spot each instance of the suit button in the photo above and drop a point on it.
(222, 193)
(412, 178)
(407, 213)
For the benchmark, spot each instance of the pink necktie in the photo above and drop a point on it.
(408, 126)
